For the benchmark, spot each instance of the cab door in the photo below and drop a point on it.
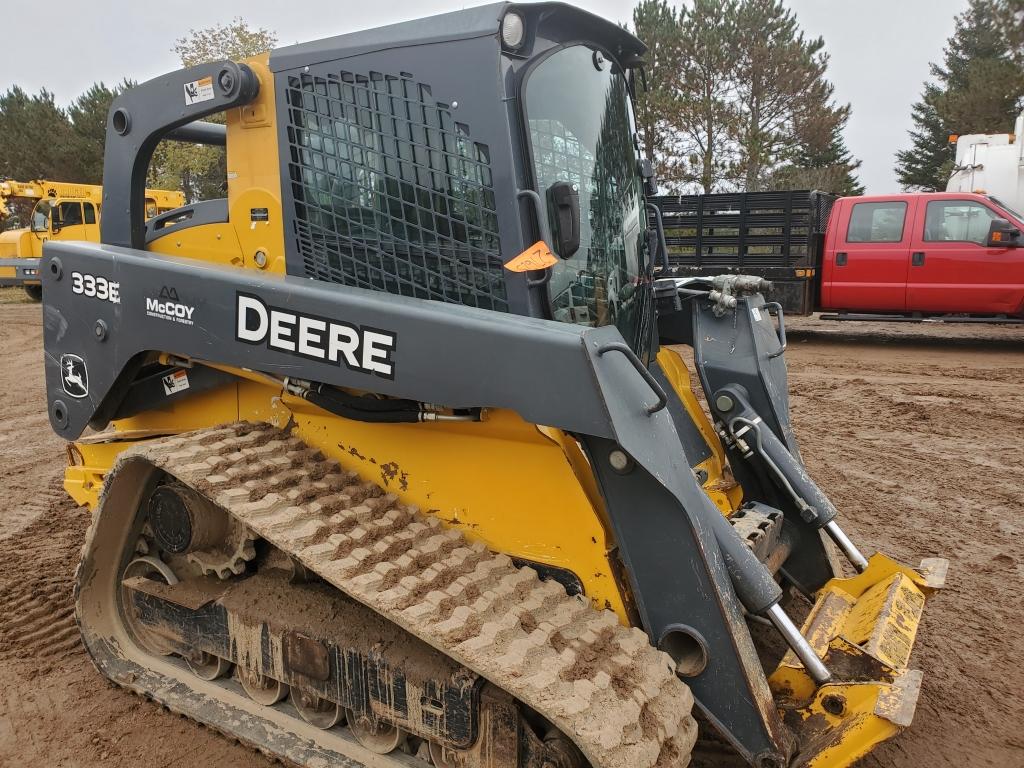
(868, 263)
(952, 268)
(67, 221)
(90, 219)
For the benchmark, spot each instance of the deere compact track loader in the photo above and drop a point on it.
(389, 466)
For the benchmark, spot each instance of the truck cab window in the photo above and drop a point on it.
(90, 213)
(957, 221)
(41, 216)
(69, 214)
(877, 222)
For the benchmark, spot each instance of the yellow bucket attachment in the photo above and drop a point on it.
(863, 628)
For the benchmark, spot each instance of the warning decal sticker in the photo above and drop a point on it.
(198, 90)
(175, 382)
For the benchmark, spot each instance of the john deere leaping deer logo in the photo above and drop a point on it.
(74, 376)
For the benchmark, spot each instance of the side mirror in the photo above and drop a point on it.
(1002, 234)
(650, 180)
(564, 202)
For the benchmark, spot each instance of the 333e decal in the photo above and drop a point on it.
(95, 287)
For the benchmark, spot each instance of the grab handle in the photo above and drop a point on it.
(545, 232)
(629, 354)
(782, 328)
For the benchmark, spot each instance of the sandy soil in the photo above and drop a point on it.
(913, 429)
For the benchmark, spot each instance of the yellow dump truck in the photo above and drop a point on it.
(63, 211)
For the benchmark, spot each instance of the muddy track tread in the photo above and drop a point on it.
(600, 683)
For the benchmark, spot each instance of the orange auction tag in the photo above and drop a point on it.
(537, 256)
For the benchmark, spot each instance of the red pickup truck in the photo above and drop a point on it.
(913, 254)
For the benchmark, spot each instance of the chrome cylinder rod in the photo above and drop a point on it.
(848, 547)
(803, 650)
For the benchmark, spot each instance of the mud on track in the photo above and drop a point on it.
(914, 430)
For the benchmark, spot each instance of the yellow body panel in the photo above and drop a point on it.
(501, 481)
(254, 175)
(246, 240)
(216, 243)
(720, 485)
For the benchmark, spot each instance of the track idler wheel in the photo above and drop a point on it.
(376, 735)
(318, 712)
(261, 688)
(148, 568)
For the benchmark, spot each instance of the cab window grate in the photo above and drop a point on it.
(391, 193)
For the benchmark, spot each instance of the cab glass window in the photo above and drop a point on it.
(958, 221)
(877, 222)
(90, 213)
(41, 216)
(581, 132)
(69, 214)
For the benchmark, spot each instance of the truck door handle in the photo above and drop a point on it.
(840, 259)
(917, 259)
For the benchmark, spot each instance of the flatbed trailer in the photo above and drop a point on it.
(776, 235)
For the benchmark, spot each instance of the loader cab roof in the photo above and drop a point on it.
(480, 21)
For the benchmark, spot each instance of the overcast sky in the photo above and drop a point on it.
(880, 48)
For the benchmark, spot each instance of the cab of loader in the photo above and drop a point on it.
(448, 176)
(408, 209)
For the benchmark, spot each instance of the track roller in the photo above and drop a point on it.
(206, 666)
(261, 688)
(376, 735)
(318, 712)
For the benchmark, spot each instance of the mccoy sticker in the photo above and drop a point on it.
(198, 90)
(175, 382)
(168, 307)
(364, 349)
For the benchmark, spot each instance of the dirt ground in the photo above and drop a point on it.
(914, 430)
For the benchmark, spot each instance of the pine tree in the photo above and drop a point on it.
(657, 24)
(708, 114)
(822, 160)
(88, 116)
(781, 89)
(36, 138)
(977, 89)
(1010, 15)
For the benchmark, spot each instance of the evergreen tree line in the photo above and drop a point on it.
(737, 98)
(978, 88)
(39, 139)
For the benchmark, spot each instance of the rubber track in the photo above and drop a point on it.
(600, 683)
